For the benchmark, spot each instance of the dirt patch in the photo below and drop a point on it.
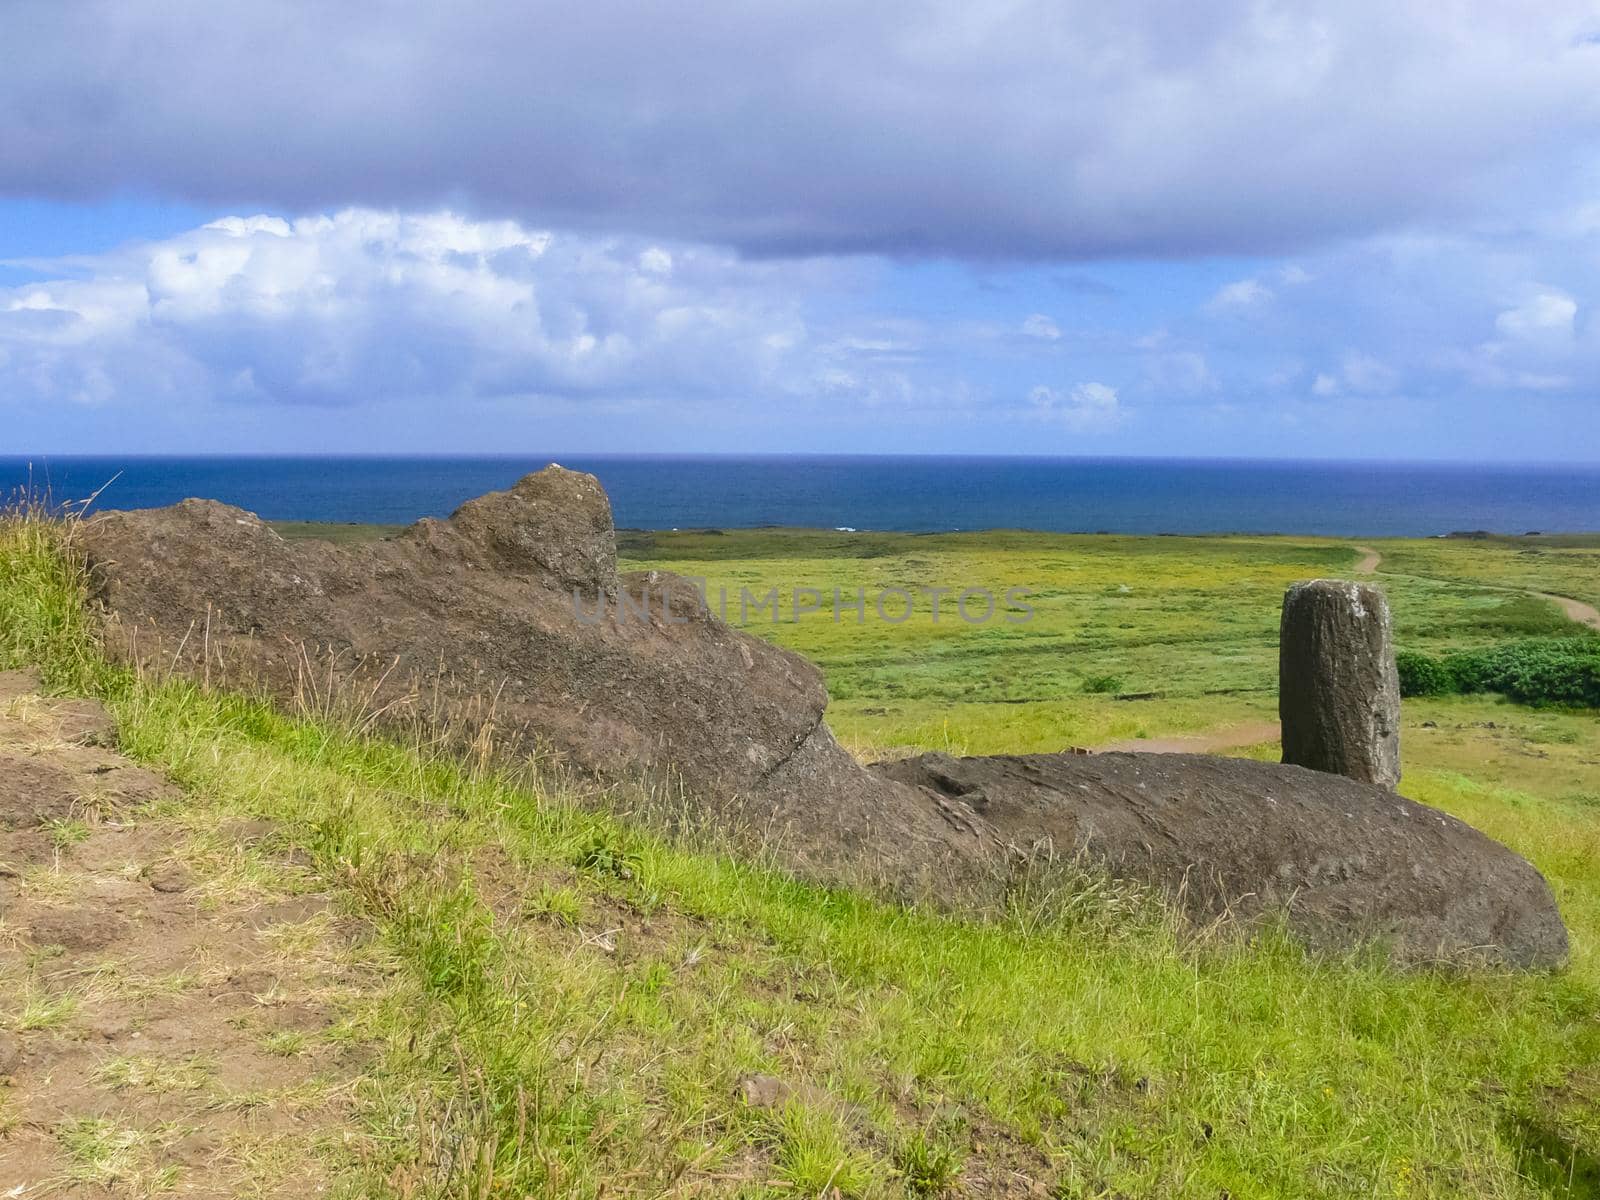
(142, 1012)
(1232, 737)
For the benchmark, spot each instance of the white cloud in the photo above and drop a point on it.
(1086, 408)
(1364, 373)
(1545, 315)
(363, 305)
(1357, 374)
(244, 226)
(1255, 292)
(656, 261)
(1239, 295)
(1040, 326)
(1180, 373)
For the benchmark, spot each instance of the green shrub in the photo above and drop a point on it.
(1423, 675)
(1557, 671)
(1564, 671)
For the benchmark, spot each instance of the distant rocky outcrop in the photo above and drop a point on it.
(513, 613)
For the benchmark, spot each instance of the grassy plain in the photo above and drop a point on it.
(570, 999)
(1129, 637)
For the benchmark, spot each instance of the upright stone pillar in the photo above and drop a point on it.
(1338, 693)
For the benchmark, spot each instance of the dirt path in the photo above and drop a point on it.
(1576, 610)
(1233, 737)
(164, 990)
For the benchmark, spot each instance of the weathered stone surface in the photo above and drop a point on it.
(557, 521)
(1347, 861)
(480, 605)
(1338, 692)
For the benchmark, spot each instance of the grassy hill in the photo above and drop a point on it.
(563, 1002)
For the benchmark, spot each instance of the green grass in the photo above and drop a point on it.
(102, 1153)
(1562, 566)
(574, 998)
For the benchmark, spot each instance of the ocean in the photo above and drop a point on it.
(916, 494)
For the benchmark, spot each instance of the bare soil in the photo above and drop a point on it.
(1229, 737)
(1576, 610)
(163, 1012)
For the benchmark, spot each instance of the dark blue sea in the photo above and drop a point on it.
(1120, 495)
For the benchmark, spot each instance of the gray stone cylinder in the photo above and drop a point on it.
(1338, 693)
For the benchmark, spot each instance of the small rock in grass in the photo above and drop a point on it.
(169, 877)
(110, 1026)
(768, 1091)
(86, 723)
(10, 1055)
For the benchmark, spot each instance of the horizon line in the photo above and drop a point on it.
(553, 457)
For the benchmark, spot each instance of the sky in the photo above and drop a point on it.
(1356, 229)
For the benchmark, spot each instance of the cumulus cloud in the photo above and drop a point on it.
(1364, 373)
(1085, 408)
(1358, 373)
(1545, 315)
(1244, 294)
(346, 308)
(1036, 129)
(433, 330)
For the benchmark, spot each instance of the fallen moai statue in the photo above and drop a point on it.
(490, 616)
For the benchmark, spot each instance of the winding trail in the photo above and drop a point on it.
(1576, 610)
(1584, 614)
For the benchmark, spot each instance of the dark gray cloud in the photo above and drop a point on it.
(1049, 129)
